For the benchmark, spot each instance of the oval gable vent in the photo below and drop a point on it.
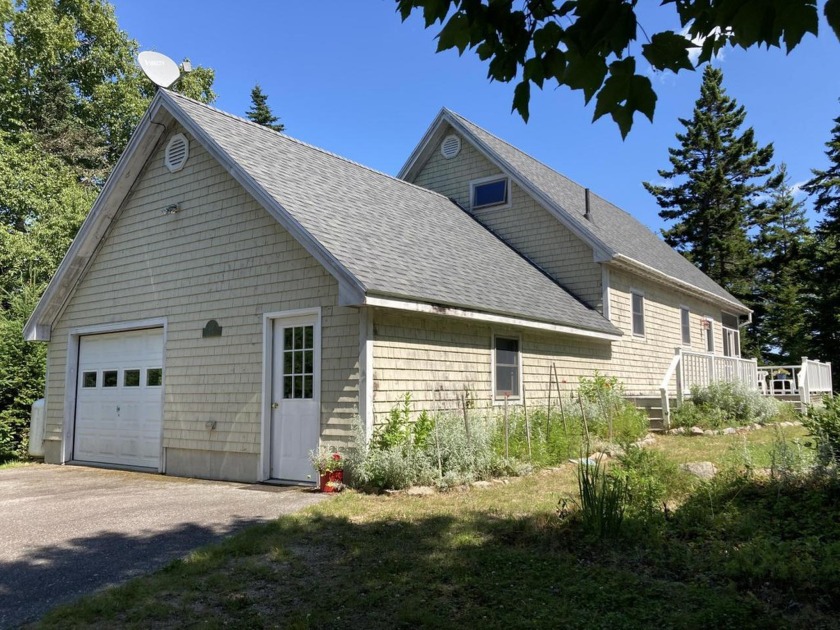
(177, 152)
(450, 147)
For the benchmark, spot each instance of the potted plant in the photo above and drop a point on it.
(330, 466)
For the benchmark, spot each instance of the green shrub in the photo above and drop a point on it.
(552, 439)
(823, 423)
(727, 404)
(787, 460)
(433, 451)
(651, 480)
(609, 415)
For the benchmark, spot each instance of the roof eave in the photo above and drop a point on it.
(463, 312)
(635, 265)
(140, 146)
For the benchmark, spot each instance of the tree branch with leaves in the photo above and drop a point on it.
(586, 45)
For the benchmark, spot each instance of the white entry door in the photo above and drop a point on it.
(118, 399)
(295, 397)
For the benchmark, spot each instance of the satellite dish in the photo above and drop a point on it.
(159, 68)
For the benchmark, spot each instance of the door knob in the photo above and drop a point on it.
(275, 405)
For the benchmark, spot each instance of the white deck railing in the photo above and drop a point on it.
(701, 369)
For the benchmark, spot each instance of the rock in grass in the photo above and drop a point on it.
(420, 491)
(730, 431)
(677, 431)
(481, 484)
(702, 470)
(696, 431)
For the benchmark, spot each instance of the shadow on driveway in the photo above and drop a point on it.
(69, 531)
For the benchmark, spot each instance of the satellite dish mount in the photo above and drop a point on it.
(160, 69)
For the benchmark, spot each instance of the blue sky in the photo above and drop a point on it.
(352, 78)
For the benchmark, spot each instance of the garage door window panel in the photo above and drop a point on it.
(131, 378)
(110, 378)
(154, 377)
(89, 379)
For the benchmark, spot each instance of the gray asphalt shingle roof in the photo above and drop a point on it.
(616, 229)
(398, 240)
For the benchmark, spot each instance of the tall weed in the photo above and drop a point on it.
(603, 499)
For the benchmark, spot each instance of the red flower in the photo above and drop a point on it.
(336, 457)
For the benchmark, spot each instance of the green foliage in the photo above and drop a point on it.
(591, 45)
(397, 429)
(787, 459)
(260, 112)
(434, 450)
(22, 376)
(823, 423)
(603, 500)
(608, 414)
(715, 187)
(727, 404)
(784, 243)
(651, 479)
(70, 77)
(824, 188)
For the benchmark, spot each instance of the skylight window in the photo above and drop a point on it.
(490, 193)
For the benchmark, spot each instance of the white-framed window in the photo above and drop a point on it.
(685, 325)
(731, 335)
(709, 333)
(490, 192)
(507, 366)
(637, 300)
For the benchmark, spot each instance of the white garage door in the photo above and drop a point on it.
(118, 398)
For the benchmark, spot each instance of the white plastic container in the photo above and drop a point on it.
(36, 429)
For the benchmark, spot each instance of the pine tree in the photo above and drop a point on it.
(780, 320)
(260, 112)
(719, 176)
(825, 187)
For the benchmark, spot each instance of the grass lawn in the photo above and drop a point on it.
(761, 555)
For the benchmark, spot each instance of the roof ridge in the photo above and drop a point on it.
(306, 144)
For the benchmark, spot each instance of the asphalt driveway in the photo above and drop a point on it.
(66, 531)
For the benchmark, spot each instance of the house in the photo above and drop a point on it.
(236, 296)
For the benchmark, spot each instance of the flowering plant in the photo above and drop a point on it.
(326, 460)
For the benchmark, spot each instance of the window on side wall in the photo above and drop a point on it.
(731, 335)
(638, 302)
(506, 367)
(685, 324)
(486, 193)
(709, 330)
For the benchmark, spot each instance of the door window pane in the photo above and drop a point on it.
(109, 378)
(89, 379)
(298, 362)
(131, 378)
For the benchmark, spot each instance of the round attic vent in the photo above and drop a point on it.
(177, 152)
(450, 147)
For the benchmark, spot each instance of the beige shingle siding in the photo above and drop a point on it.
(641, 362)
(525, 225)
(221, 257)
(435, 358)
